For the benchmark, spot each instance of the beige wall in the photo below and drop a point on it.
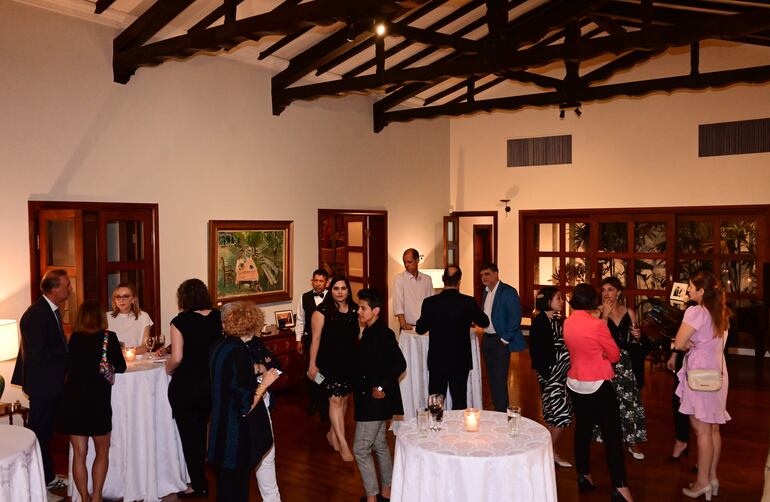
(626, 153)
(199, 139)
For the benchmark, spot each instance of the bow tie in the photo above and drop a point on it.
(318, 294)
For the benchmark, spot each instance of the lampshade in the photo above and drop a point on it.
(9, 339)
(435, 276)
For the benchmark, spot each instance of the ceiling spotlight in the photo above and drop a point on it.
(561, 113)
(578, 112)
(379, 29)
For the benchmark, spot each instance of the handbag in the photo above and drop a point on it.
(704, 380)
(106, 370)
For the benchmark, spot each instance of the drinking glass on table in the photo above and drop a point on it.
(514, 418)
(423, 421)
(150, 343)
(635, 328)
(436, 408)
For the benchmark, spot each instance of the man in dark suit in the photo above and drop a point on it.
(503, 335)
(42, 362)
(448, 316)
(308, 304)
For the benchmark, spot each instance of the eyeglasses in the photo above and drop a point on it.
(123, 297)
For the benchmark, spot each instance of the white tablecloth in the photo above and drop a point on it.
(21, 466)
(146, 459)
(414, 384)
(484, 466)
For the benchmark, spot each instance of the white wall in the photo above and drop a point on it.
(199, 139)
(638, 152)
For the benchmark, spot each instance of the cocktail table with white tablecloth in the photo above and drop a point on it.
(146, 459)
(414, 384)
(21, 466)
(452, 465)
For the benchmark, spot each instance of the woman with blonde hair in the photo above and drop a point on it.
(129, 322)
(703, 334)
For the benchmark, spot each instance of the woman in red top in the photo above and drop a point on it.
(591, 351)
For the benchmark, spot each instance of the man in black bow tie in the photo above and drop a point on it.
(308, 304)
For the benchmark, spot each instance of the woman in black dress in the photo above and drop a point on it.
(193, 332)
(86, 407)
(240, 433)
(332, 354)
(550, 359)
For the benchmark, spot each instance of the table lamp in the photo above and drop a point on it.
(9, 344)
(435, 276)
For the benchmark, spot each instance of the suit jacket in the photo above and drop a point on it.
(448, 316)
(42, 361)
(379, 363)
(506, 316)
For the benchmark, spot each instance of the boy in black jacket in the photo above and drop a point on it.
(379, 363)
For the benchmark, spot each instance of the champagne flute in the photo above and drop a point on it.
(436, 408)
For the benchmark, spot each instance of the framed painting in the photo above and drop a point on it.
(250, 260)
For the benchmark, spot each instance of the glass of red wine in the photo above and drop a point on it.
(436, 408)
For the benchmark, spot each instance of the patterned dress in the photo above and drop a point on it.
(557, 407)
(632, 418)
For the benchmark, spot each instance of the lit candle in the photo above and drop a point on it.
(130, 354)
(472, 419)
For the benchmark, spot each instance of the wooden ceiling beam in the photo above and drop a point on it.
(211, 17)
(434, 38)
(497, 19)
(102, 5)
(623, 62)
(755, 75)
(412, 16)
(149, 23)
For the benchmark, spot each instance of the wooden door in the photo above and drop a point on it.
(482, 253)
(356, 253)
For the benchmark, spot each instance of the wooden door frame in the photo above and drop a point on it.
(461, 214)
(35, 206)
(476, 276)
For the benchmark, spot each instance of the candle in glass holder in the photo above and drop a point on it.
(130, 354)
(472, 418)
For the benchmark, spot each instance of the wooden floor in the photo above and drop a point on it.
(309, 470)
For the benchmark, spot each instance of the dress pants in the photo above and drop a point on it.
(42, 419)
(192, 425)
(458, 386)
(599, 408)
(370, 437)
(233, 484)
(498, 360)
(266, 480)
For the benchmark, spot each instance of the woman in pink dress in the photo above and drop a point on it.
(703, 334)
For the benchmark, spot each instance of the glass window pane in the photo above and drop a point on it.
(547, 270)
(356, 263)
(61, 243)
(576, 237)
(613, 237)
(355, 287)
(651, 274)
(695, 237)
(614, 267)
(450, 257)
(575, 270)
(740, 276)
(355, 233)
(547, 236)
(650, 236)
(686, 268)
(125, 241)
(450, 231)
(738, 237)
(70, 306)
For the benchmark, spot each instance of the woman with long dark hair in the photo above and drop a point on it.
(197, 326)
(703, 334)
(86, 402)
(335, 330)
(550, 359)
(592, 352)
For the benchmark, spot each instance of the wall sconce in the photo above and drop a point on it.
(507, 207)
(9, 339)
(435, 276)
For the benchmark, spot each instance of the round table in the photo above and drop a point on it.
(146, 458)
(21, 466)
(414, 384)
(488, 465)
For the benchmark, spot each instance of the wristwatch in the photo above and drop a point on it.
(379, 388)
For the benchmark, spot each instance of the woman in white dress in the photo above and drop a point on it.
(127, 320)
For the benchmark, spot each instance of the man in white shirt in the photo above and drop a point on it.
(410, 288)
(307, 304)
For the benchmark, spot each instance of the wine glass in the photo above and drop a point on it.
(150, 343)
(436, 408)
(635, 326)
(161, 340)
(514, 418)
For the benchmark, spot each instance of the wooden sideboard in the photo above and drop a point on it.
(283, 345)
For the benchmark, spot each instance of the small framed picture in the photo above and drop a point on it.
(284, 319)
(679, 292)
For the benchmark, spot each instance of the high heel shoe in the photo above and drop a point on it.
(684, 453)
(617, 496)
(694, 494)
(714, 487)
(585, 485)
(636, 454)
